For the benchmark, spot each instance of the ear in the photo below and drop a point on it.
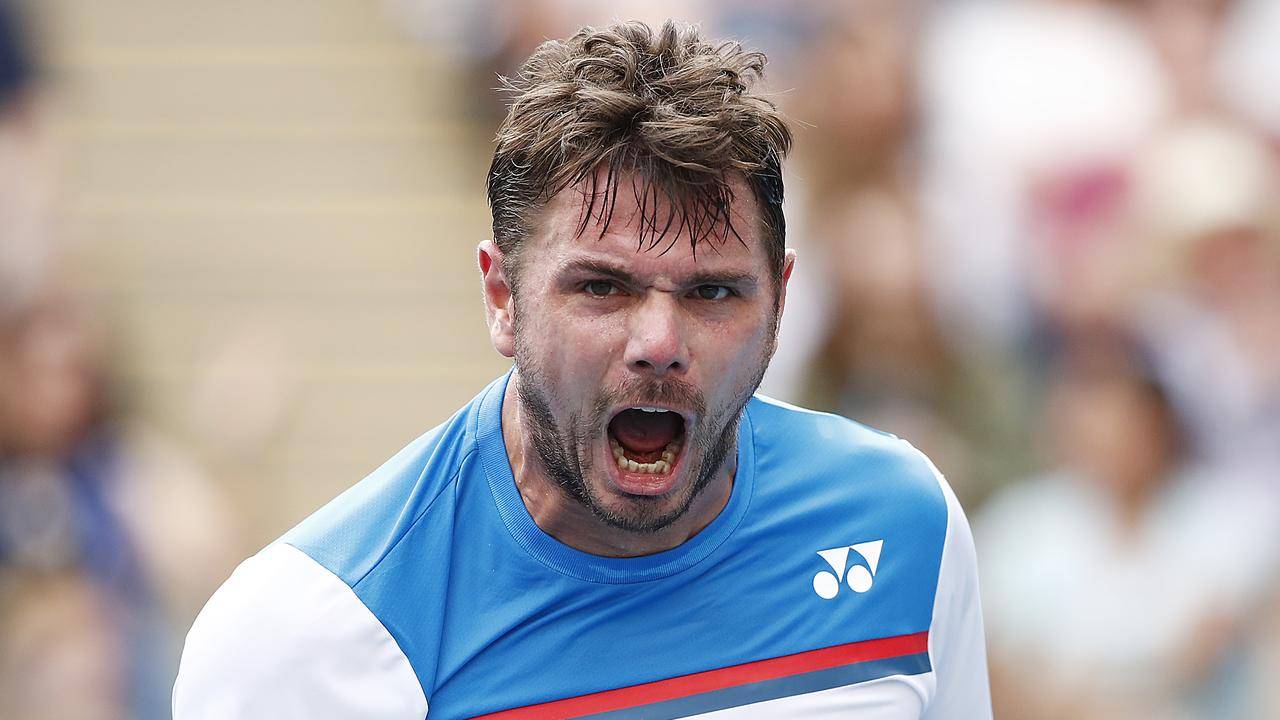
(498, 300)
(788, 264)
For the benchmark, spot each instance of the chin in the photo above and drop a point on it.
(640, 514)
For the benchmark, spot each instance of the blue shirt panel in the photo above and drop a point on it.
(493, 614)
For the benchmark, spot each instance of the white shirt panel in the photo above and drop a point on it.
(284, 638)
(957, 645)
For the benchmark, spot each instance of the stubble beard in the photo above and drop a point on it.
(565, 453)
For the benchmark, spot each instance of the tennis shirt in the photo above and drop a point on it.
(839, 581)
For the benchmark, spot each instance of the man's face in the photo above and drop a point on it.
(633, 364)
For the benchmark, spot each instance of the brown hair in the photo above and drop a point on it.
(673, 109)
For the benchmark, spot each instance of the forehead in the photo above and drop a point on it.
(638, 227)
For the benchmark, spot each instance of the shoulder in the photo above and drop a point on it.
(841, 459)
(296, 631)
(855, 487)
(782, 424)
(355, 531)
(839, 483)
(286, 638)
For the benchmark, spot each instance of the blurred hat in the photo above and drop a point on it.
(1205, 176)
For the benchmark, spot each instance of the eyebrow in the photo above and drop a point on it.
(596, 267)
(621, 274)
(736, 279)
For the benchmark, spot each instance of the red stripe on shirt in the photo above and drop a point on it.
(709, 680)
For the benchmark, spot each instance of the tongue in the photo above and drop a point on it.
(645, 432)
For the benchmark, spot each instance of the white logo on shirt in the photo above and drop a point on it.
(859, 577)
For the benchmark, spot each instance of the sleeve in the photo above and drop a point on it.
(285, 638)
(957, 648)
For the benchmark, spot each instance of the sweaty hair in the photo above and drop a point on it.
(670, 110)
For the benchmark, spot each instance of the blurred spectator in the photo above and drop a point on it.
(877, 352)
(1081, 259)
(58, 466)
(883, 359)
(1187, 36)
(1032, 113)
(1208, 212)
(1247, 64)
(858, 112)
(1029, 111)
(1119, 584)
(850, 193)
(848, 197)
(97, 518)
(59, 654)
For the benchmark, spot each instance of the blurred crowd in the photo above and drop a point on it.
(1038, 238)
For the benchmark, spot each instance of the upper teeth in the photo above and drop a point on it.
(649, 409)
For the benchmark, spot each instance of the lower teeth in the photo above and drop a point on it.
(657, 467)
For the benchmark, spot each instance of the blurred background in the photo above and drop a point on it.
(1040, 239)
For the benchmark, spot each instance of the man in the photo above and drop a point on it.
(617, 528)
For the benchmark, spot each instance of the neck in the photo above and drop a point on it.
(571, 522)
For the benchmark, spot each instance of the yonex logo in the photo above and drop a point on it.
(859, 578)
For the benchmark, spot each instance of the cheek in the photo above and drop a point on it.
(732, 355)
(568, 348)
(739, 343)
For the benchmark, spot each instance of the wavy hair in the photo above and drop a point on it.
(673, 111)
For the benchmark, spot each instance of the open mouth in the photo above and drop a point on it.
(646, 440)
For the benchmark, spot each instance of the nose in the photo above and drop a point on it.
(657, 345)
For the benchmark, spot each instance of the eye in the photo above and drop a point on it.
(712, 292)
(599, 288)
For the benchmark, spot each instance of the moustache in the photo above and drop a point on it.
(651, 391)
